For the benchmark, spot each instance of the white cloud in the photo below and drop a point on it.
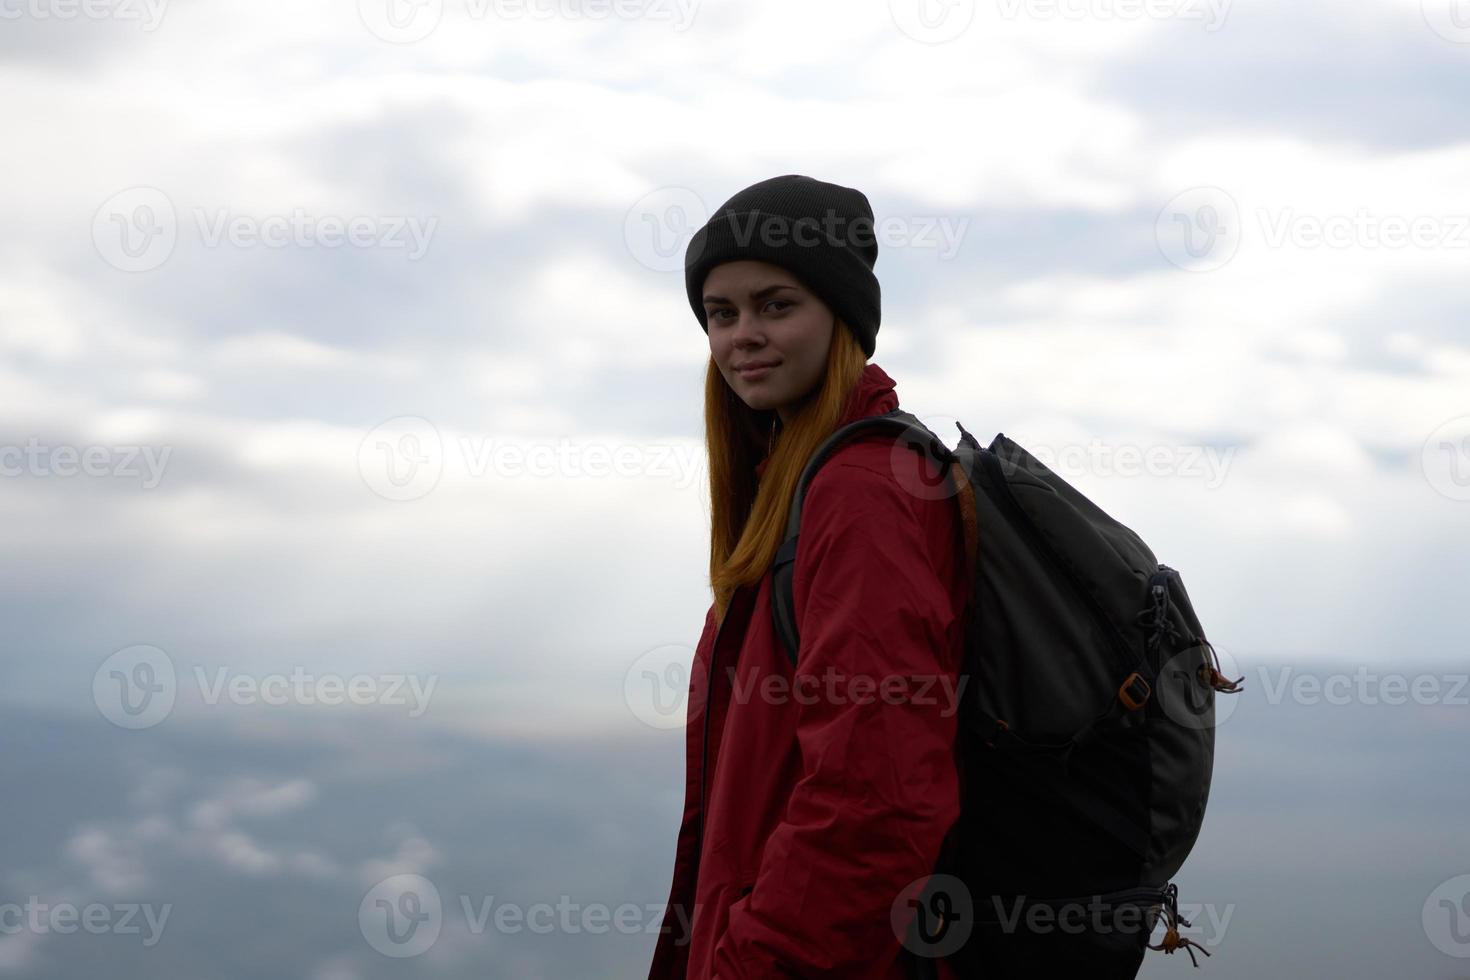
(274, 350)
(18, 951)
(414, 855)
(530, 140)
(213, 832)
(336, 968)
(250, 797)
(113, 863)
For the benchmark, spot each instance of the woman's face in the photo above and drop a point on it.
(759, 313)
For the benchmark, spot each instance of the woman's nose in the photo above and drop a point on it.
(747, 328)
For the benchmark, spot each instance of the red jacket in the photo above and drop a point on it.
(824, 792)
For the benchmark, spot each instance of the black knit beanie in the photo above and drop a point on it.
(823, 233)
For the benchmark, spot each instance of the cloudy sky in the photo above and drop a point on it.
(347, 341)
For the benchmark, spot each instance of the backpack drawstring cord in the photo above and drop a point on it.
(1172, 940)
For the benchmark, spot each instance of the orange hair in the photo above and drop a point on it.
(748, 517)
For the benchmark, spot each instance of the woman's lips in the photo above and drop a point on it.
(755, 373)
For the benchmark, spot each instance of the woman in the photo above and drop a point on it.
(816, 798)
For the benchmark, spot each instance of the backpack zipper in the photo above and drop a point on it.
(1156, 616)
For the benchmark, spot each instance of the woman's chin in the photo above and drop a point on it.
(759, 401)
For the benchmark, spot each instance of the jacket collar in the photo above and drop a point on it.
(873, 394)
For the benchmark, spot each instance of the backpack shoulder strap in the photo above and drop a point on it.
(897, 423)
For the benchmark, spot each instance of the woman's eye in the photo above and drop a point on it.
(780, 303)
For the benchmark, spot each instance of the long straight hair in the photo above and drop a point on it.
(748, 516)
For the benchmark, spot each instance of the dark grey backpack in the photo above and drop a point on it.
(1087, 723)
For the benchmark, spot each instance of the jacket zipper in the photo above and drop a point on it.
(992, 463)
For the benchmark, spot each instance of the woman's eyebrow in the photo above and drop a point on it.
(758, 294)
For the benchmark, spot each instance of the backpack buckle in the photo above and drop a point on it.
(1134, 691)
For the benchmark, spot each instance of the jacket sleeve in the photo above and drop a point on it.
(879, 788)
